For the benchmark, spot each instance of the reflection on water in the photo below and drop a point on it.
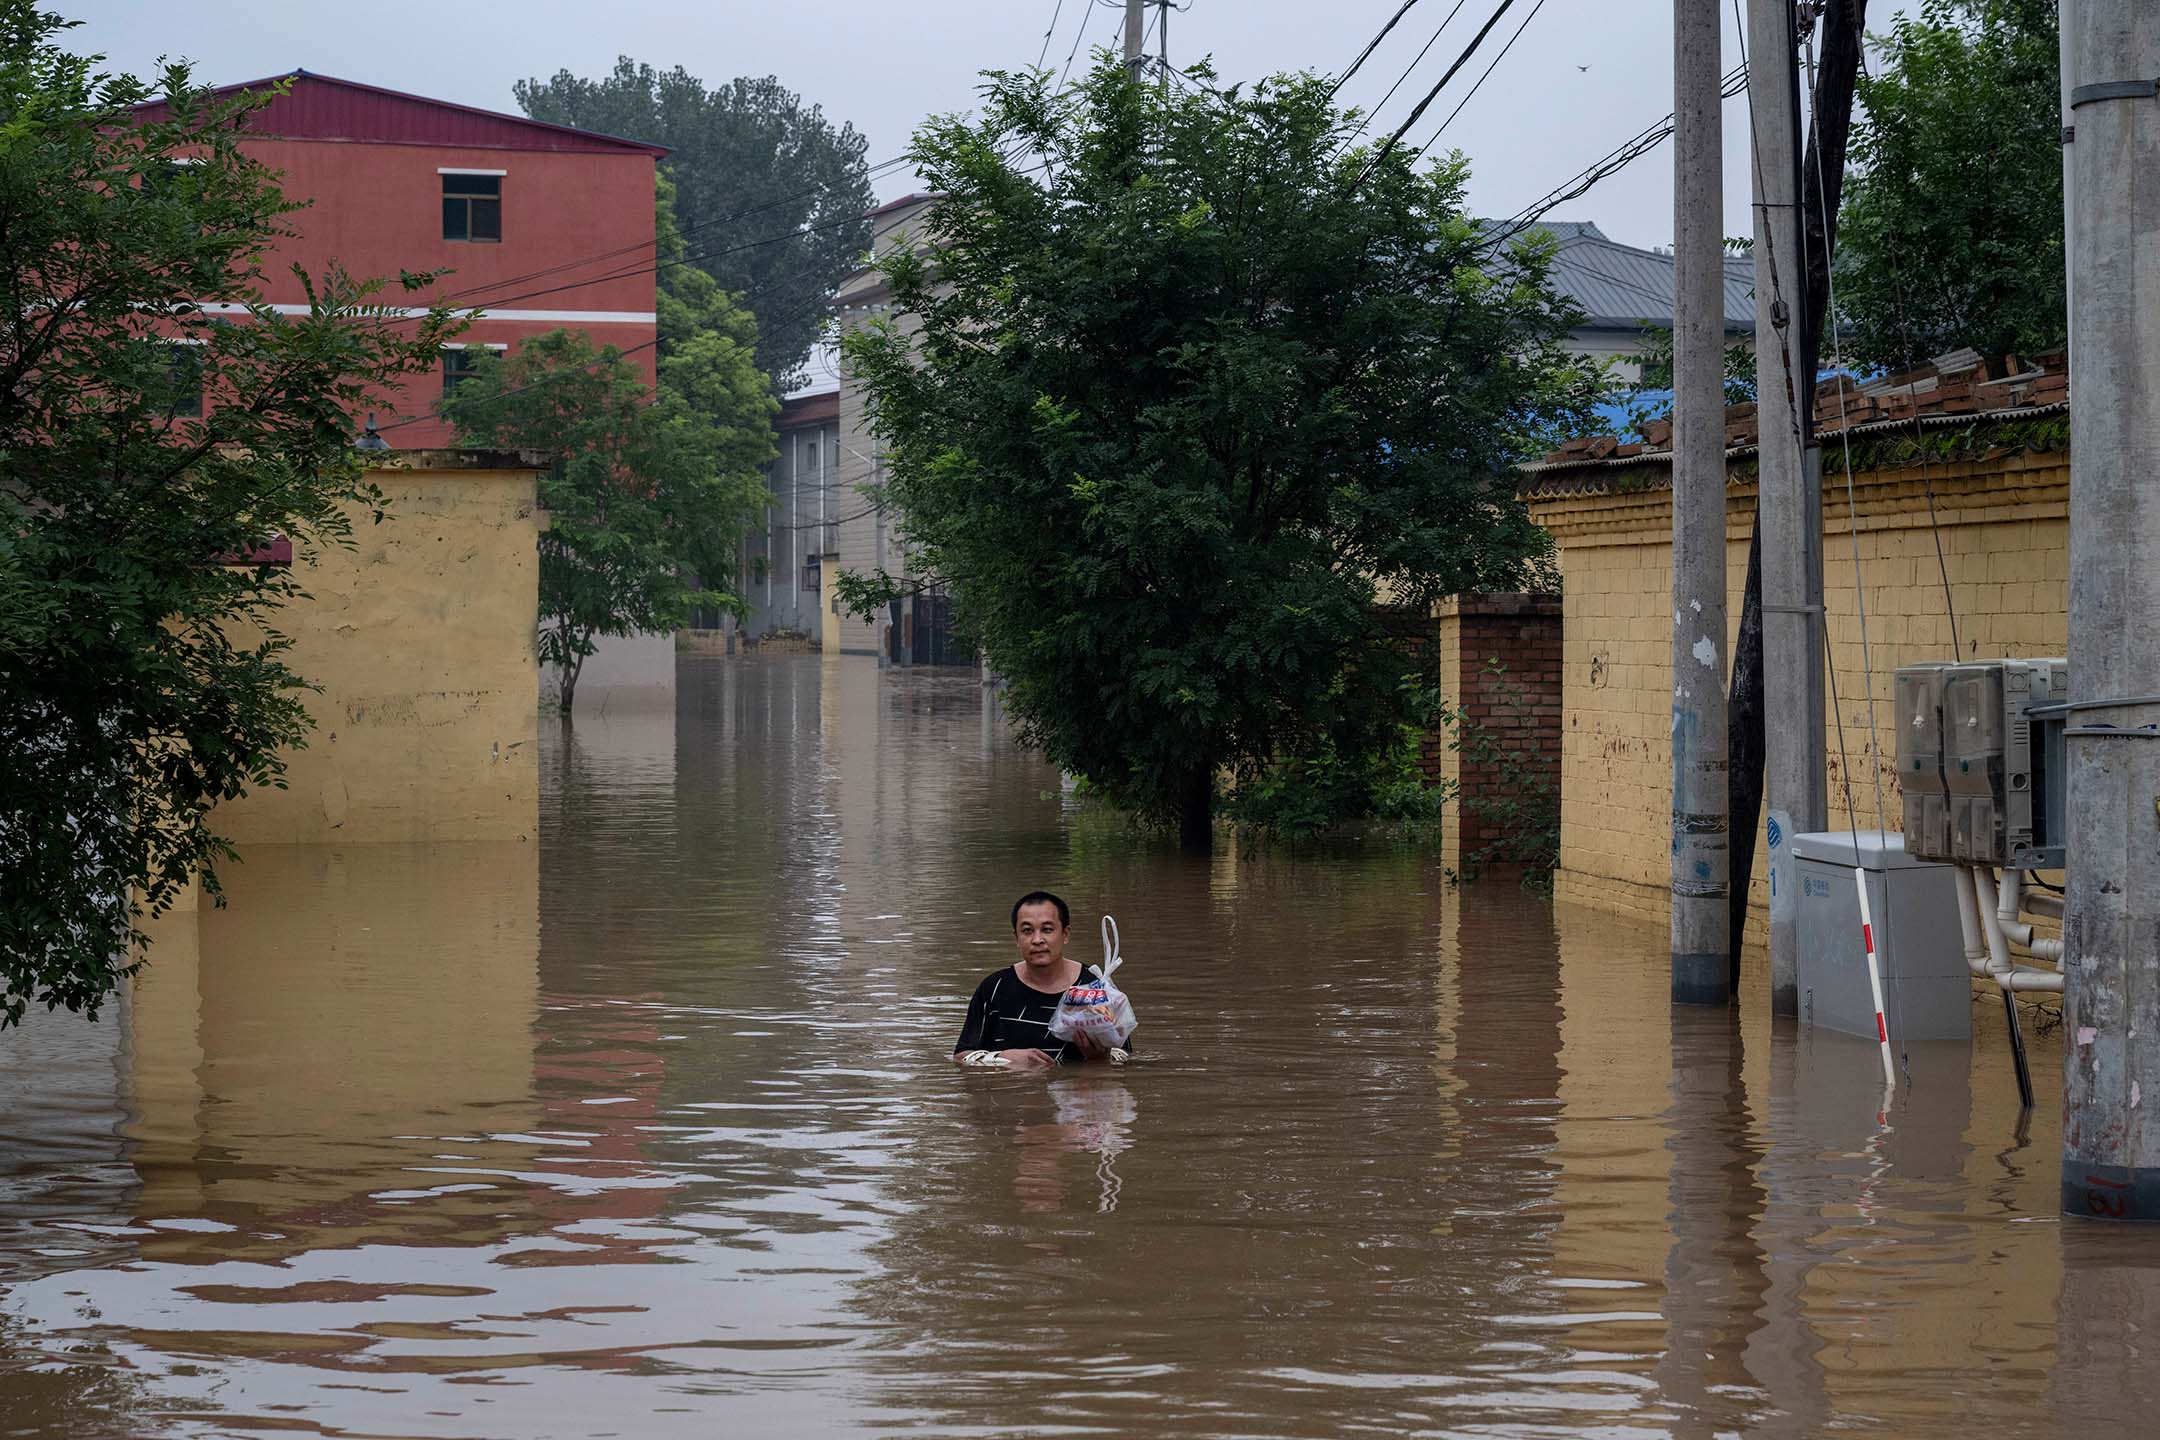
(650, 1127)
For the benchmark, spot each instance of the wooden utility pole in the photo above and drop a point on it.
(1701, 944)
(2111, 924)
(1789, 510)
(1135, 36)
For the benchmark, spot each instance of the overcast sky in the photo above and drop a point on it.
(1585, 74)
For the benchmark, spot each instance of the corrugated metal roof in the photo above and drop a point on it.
(323, 107)
(1621, 287)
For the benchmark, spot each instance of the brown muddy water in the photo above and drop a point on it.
(649, 1129)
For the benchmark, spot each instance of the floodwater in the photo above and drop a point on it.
(649, 1129)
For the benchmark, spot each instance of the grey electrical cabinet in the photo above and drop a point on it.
(1927, 987)
(1982, 776)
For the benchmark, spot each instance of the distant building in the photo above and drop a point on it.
(533, 221)
(788, 560)
(916, 629)
(1623, 290)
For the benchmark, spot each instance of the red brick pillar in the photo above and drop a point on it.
(1500, 658)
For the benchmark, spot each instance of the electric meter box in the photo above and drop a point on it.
(1912, 903)
(1982, 777)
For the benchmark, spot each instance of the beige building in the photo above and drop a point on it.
(916, 630)
(419, 637)
(1998, 470)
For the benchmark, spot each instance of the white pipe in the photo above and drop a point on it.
(2008, 907)
(1976, 955)
(2049, 980)
(2000, 966)
(2046, 948)
(2040, 902)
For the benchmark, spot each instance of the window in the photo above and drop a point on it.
(457, 367)
(184, 371)
(472, 208)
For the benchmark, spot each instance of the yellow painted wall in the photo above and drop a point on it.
(1447, 636)
(2004, 524)
(369, 1000)
(421, 639)
(829, 611)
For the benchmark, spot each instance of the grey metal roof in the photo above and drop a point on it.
(1620, 287)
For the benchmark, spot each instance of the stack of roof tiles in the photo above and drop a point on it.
(1950, 386)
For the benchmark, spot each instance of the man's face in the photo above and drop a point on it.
(1040, 937)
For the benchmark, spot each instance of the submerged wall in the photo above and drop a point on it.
(419, 638)
(2003, 517)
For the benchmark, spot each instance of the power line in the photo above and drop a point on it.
(1408, 71)
(639, 348)
(694, 258)
(1483, 78)
(1461, 60)
(876, 171)
(1047, 31)
(1642, 143)
(1374, 44)
(1087, 18)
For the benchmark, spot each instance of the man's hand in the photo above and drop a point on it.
(1028, 1059)
(1090, 1047)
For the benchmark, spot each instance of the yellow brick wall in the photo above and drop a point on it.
(420, 638)
(1447, 618)
(2004, 527)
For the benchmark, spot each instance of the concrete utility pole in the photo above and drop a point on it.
(2111, 925)
(1162, 41)
(1701, 940)
(1790, 507)
(1135, 36)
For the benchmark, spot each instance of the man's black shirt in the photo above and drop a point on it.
(1008, 1015)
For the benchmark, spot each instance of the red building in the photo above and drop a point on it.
(534, 222)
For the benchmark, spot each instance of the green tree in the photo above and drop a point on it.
(1951, 232)
(750, 161)
(650, 491)
(141, 439)
(1173, 415)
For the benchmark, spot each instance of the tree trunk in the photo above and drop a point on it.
(1822, 189)
(569, 686)
(1196, 812)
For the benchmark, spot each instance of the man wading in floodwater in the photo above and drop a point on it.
(1010, 1014)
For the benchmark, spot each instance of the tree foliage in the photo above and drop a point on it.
(1193, 432)
(651, 486)
(141, 439)
(1951, 232)
(749, 161)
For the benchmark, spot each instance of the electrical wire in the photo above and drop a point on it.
(1642, 143)
(1047, 32)
(877, 171)
(1905, 345)
(1374, 44)
(1778, 306)
(1469, 53)
(639, 348)
(1482, 78)
(1408, 70)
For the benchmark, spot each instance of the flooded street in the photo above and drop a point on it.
(651, 1129)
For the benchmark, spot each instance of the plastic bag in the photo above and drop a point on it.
(1096, 1009)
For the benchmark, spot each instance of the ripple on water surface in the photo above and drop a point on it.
(649, 1126)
